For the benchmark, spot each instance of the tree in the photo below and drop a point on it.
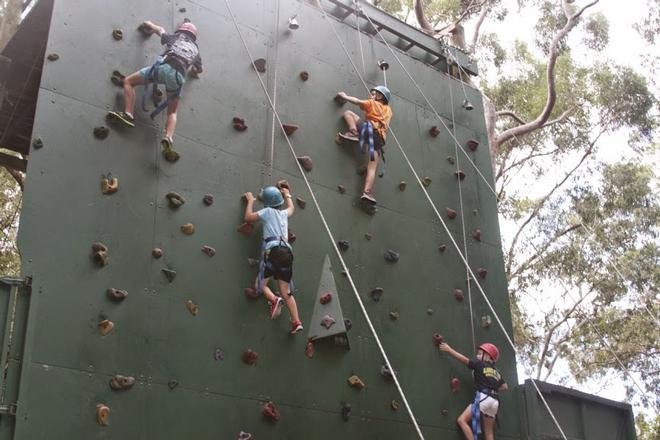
(10, 204)
(593, 240)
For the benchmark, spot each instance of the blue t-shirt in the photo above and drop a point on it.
(276, 224)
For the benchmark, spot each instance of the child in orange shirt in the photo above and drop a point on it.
(371, 132)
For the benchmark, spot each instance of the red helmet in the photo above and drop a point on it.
(189, 28)
(492, 351)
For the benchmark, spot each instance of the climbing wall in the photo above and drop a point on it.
(182, 333)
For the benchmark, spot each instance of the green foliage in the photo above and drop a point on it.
(597, 30)
(648, 429)
(10, 202)
(552, 20)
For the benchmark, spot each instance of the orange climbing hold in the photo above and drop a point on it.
(192, 307)
(99, 254)
(356, 382)
(188, 229)
(106, 326)
(102, 414)
(109, 185)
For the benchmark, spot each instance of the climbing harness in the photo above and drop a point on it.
(152, 78)
(264, 264)
(367, 141)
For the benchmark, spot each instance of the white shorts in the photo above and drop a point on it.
(488, 405)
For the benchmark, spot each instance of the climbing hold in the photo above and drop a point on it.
(451, 213)
(192, 307)
(444, 412)
(121, 383)
(219, 355)
(442, 248)
(172, 384)
(458, 294)
(259, 65)
(169, 274)
(356, 382)
(402, 185)
(386, 372)
(102, 414)
(238, 124)
(434, 131)
(37, 143)
(429, 311)
(156, 253)
(116, 294)
(117, 78)
(472, 144)
(306, 163)
(476, 234)
(309, 349)
(182, 10)
(289, 129)
(426, 181)
(99, 254)
(101, 132)
(208, 199)
(250, 357)
(244, 436)
(291, 236)
(437, 339)
(146, 30)
(482, 271)
(486, 321)
(325, 298)
(345, 411)
(327, 321)
(281, 184)
(175, 200)
(368, 236)
(117, 34)
(109, 185)
(343, 245)
(252, 262)
(460, 175)
(106, 326)
(341, 189)
(361, 170)
(455, 385)
(394, 315)
(301, 203)
(251, 292)
(451, 160)
(391, 256)
(188, 228)
(208, 250)
(245, 228)
(304, 75)
(348, 324)
(270, 412)
(376, 293)
(339, 99)
(394, 405)
(53, 57)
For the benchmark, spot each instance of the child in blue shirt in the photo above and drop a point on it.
(277, 261)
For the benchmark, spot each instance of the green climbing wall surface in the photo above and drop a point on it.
(191, 380)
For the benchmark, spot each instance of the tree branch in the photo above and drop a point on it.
(421, 17)
(510, 114)
(477, 27)
(18, 177)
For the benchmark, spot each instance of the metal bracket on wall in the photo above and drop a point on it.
(9, 409)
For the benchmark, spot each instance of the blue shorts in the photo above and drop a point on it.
(167, 75)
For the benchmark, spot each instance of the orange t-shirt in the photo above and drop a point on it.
(378, 114)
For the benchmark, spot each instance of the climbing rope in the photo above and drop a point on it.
(272, 131)
(328, 231)
(428, 197)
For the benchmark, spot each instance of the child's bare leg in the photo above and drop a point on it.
(132, 80)
(170, 125)
(289, 299)
(268, 294)
(488, 425)
(352, 120)
(372, 166)
(464, 422)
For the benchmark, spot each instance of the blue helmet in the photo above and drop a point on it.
(272, 197)
(384, 91)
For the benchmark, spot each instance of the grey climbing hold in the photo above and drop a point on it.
(244, 436)
(426, 181)
(376, 293)
(208, 199)
(208, 250)
(394, 315)
(37, 143)
(53, 57)
(252, 262)
(343, 245)
(117, 78)
(100, 254)
(169, 274)
(341, 189)
(368, 236)
(451, 160)
(175, 200)
(182, 10)
(348, 324)
(386, 372)
(218, 354)
(156, 253)
(429, 311)
(121, 383)
(391, 256)
(482, 271)
(394, 404)
(327, 321)
(172, 384)
(101, 132)
(476, 234)
(402, 185)
(486, 321)
(306, 163)
(346, 411)
(442, 248)
(117, 34)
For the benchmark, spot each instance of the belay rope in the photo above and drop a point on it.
(152, 78)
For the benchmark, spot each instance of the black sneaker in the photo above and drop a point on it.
(122, 117)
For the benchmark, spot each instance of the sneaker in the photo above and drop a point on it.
(276, 308)
(350, 136)
(168, 149)
(122, 117)
(296, 327)
(368, 197)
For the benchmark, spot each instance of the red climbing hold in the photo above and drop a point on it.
(238, 124)
(245, 228)
(437, 339)
(482, 271)
(304, 75)
(442, 248)
(301, 203)
(458, 294)
(306, 163)
(455, 385)
(376, 293)
(208, 199)
(309, 349)
(117, 34)
(451, 213)
(289, 129)
(402, 185)
(476, 234)
(434, 131)
(292, 237)
(251, 292)
(459, 174)
(472, 144)
(259, 65)
(250, 356)
(208, 250)
(270, 412)
(325, 298)
(116, 294)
